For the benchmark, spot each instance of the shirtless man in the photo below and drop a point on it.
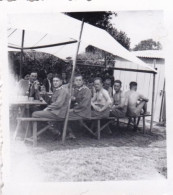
(119, 107)
(101, 100)
(136, 101)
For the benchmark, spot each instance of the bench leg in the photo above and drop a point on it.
(128, 124)
(139, 118)
(105, 125)
(34, 134)
(118, 122)
(17, 129)
(98, 129)
(134, 120)
(86, 127)
(143, 124)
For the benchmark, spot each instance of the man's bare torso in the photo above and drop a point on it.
(117, 98)
(100, 97)
(132, 98)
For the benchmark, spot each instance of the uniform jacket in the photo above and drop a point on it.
(83, 101)
(60, 101)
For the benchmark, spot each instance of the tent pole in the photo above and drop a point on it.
(21, 54)
(161, 108)
(71, 83)
(153, 94)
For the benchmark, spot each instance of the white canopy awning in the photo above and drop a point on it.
(45, 29)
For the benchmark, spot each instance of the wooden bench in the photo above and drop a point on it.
(33, 138)
(36, 133)
(135, 120)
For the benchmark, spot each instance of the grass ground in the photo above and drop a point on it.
(124, 155)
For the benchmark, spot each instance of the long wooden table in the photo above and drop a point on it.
(23, 103)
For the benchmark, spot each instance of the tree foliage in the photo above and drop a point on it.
(148, 44)
(99, 19)
(103, 21)
(35, 61)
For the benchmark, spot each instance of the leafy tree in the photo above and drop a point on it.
(99, 19)
(102, 20)
(148, 44)
(36, 61)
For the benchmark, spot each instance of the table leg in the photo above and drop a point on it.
(22, 108)
(34, 134)
(17, 129)
(27, 129)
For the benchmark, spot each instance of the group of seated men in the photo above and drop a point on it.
(85, 105)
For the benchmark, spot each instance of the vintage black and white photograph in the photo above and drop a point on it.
(87, 98)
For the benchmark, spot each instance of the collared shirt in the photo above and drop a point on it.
(58, 88)
(82, 87)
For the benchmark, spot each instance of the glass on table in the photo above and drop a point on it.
(31, 99)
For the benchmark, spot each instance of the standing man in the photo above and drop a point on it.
(101, 100)
(48, 82)
(119, 107)
(137, 103)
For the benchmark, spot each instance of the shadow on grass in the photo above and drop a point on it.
(120, 137)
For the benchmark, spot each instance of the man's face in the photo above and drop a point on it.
(64, 75)
(107, 84)
(27, 77)
(33, 77)
(57, 82)
(49, 76)
(117, 87)
(43, 89)
(78, 81)
(98, 85)
(135, 88)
